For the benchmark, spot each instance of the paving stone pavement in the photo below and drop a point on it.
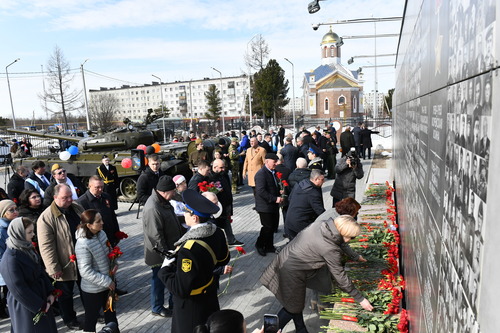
(245, 293)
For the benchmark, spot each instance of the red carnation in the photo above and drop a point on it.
(57, 293)
(121, 235)
(279, 175)
(72, 258)
(241, 250)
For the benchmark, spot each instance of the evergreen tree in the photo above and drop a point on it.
(270, 91)
(214, 103)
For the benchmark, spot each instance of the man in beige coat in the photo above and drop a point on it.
(254, 161)
(56, 228)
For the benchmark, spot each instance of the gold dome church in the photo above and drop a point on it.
(331, 90)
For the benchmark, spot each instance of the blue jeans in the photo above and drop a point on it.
(158, 292)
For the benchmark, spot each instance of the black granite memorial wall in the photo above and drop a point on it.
(444, 108)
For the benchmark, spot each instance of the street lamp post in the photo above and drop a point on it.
(85, 94)
(375, 101)
(293, 89)
(222, 95)
(162, 109)
(10, 94)
(191, 105)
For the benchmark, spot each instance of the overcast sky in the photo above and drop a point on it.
(129, 40)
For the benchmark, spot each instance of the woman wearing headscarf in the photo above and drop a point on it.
(30, 288)
(312, 259)
(94, 266)
(8, 212)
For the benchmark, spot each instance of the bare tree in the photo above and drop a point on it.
(256, 57)
(103, 108)
(58, 95)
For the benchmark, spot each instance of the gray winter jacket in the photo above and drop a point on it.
(161, 227)
(311, 260)
(93, 261)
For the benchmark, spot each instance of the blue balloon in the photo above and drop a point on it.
(73, 150)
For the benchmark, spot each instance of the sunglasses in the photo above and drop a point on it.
(35, 197)
(61, 172)
(12, 210)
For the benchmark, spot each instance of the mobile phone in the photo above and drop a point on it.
(271, 323)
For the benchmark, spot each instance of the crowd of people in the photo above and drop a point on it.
(187, 228)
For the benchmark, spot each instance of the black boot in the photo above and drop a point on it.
(3, 303)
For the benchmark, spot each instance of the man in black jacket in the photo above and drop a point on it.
(149, 178)
(346, 141)
(289, 153)
(199, 176)
(348, 169)
(267, 204)
(225, 198)
(16, 183)
(306, 203)
(96, 198)
(300, 173)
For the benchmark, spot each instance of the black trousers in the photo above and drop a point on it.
(269, 222)
(285, 316)
(65, 301)
(93, 304)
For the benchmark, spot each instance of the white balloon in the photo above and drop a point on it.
(64, 155)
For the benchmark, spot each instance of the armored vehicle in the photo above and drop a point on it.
(116, 145)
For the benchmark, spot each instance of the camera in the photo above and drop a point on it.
(271, 323)
(353, 157)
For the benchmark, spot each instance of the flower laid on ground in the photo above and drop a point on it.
(120, 235)
(72, 259)
(113, 256)
(214, 187)
(56, 293)
(240, 251)
(403, 322)
(379, 278)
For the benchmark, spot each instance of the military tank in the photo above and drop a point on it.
(117, 145)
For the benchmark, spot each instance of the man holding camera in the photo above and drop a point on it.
(348, 169)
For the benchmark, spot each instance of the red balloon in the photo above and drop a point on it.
(142, 147)
(127, 163)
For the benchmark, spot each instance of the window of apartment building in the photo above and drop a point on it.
(354, 104)
(327, 106)
(341, 100)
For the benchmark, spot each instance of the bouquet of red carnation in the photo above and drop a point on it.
(113, 256)
(214, 187)
(56, 293)
(284, 188)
